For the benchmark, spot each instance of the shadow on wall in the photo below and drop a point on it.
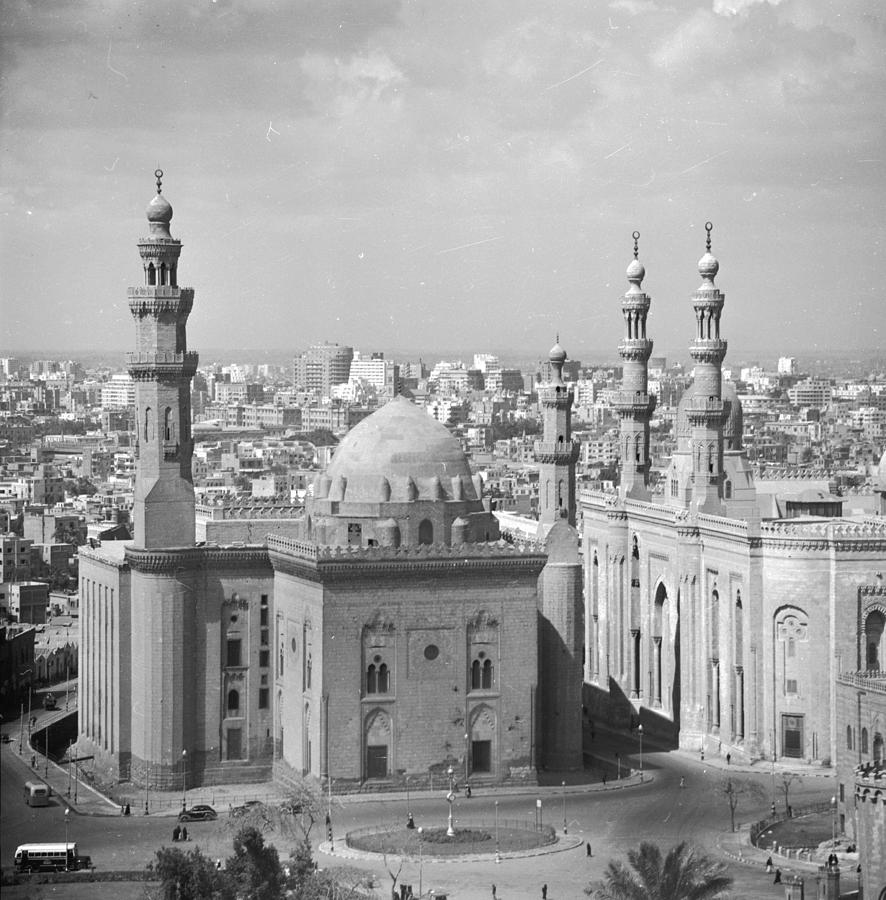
(613, 708)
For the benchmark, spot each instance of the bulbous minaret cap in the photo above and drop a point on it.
(159, 210)
(557, 354)
(636, 272)
(708, 266)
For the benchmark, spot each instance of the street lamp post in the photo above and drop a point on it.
(70, 756)
(450, 798)
(467, 747)
(563, 786)
(67, 816)
(497, 854)
(420, 861)
(640, 731)
(408, 810)
(833, 821)
(184, 780)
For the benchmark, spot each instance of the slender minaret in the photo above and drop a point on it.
(162, 369)
(633, 404)
(706, 408)
(556, 453)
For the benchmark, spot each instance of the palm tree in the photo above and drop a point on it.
(684, 874)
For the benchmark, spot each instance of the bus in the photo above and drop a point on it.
(37, 793)
(47, 857)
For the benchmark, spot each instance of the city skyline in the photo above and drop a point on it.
(359, 172)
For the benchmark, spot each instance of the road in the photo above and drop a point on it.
(612, 821)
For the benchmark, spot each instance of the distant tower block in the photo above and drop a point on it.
(556, 453)
(632, 404)
(706, 411)
(162, 369)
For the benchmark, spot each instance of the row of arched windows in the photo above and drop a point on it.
(159, 275)
(168, 424)
(878, 742)
(378, 676)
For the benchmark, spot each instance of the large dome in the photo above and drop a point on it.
(402, 445)
(732, 428)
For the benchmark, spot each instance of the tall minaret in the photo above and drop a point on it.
(706, 408)
(556, 453)
(633, 404)
(162, 369)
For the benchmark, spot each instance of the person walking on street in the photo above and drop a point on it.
(588, 845)
(184, 832)
(544, 892)
(777, 879)
(682, 781)
(176, 833)
(769, 865)
(494, 895)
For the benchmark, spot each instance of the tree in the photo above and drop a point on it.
(255, 866)
(190, 876)
(787, 779)
(733, 790)
(683, 873)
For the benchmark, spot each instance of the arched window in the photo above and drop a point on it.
(475, 675)
(308, 671)
(848, 737)
(149, 425)
(873, 630)
(878, 747)
(152, 275)
(487, 674)
(233, 702)
(426, 532)
(167, 424)
(377, 677)
(864, 740)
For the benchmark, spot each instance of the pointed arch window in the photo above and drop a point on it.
(864, 740)
(377, 676)
(233, 702)
(426, 532)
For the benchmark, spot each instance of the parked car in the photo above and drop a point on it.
(199, 813)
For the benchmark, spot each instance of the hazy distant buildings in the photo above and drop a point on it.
(323, 366)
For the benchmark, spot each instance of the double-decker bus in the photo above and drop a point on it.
(49, 857)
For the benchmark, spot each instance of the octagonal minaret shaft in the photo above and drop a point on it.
(706, 411)
(556, 452)
(162, 369)
(632, 404)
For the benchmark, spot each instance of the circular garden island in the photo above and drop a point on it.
(468, 840)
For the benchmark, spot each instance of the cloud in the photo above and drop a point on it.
(738, 7)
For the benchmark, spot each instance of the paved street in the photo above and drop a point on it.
(611, 819)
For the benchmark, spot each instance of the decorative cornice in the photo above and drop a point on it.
(166, 561)
(344, 563)
(162, 365)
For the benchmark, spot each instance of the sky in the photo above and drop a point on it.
(422, 175)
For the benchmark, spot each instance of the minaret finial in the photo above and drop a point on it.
(558, 338)
(636, 237)
(158, 174)
(709, 227)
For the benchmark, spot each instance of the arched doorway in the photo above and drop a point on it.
(377, 743)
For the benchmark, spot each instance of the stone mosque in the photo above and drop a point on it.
(708, 622)
(392, 632)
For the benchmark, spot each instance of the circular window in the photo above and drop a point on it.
(293, 645)
(376, 659)
(482, 654)
(234, 618)
(432, 651)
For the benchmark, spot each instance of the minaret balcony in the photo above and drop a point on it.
(635, 349)
(556, 453)
(708, 350)
(161, 365)
(631, 403)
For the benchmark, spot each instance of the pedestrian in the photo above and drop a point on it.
(588, 845)
(494, 895)
(728, 758)
(702, 754)
(128, 810)
(218, 865)
(769, 865)
(184, 832)
(544, 892)
(682, 782)
(176, 833)
(604, 778)
(777, 879)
